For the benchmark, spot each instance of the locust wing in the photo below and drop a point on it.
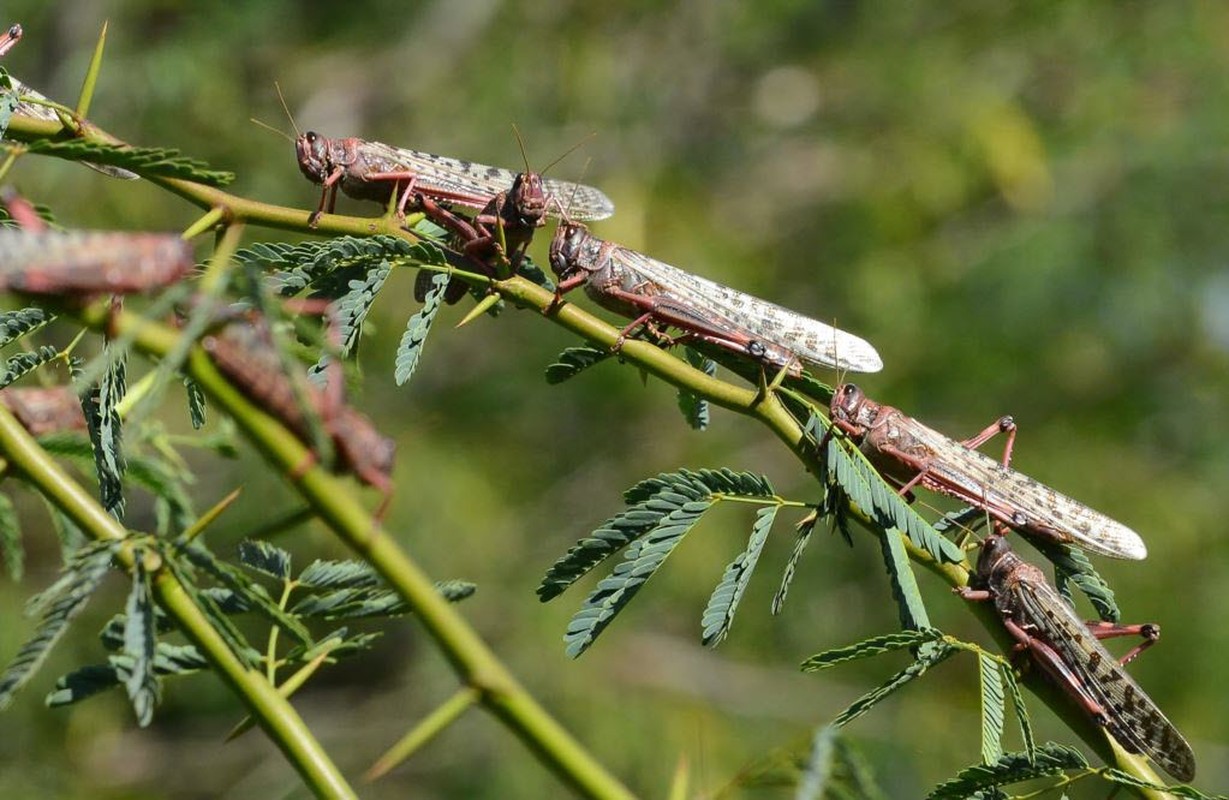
(1131, 716)
(1019, 500)
(810, 340)
(472, 184)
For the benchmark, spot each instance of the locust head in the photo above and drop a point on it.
(312, 150)
(996, 560)
(529, 199)
(854, 409)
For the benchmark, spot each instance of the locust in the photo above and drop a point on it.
(912, 454)
(244, 352)
(654, 293)
(84, 263)
(1070, 653)
(497, 236)
(376, 171)
(36, 106)
(44, 410)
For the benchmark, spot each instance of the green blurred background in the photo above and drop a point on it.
(1021, 205)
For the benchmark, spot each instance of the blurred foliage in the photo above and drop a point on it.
(1021, 205)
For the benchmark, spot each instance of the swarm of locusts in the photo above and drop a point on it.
(490, 216)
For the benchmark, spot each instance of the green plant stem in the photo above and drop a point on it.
(276, 715)
(765, 408)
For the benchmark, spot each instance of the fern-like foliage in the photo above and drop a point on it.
(993, 708)
(22, 322)
(640, 561)
(409, 351)
(295, 267)
(694, 408)
(648, 503)
(23, 364)
(162, 162)
(1071, 566)
(58, 605)
(265, 558)
(723, 604)
(905, 591)
(100, 406)
(1051, 759)
(871, 647)
(1120, 778)
(805, 528)
(848, 468)
(371, 602)
(10, 539)
(926, 658)
(252, 593)
(140, 645)
(573, 361)
(350, 311)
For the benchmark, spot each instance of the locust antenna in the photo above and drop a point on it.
(571, 150)
(286, 108)
(269, 127)
(563, 211)
(516, 132)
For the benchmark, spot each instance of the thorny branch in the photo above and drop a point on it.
(475, 664)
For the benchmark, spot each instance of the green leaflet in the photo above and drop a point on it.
(908, 598)
(252, 592)
(805, 529)
(925, 660)
(162, 162)
(82, 573)
(1026, 723)
(410, 349)
(23, 364)
(140, 644)
(10, 539)
(265, 558)
(1117, 776)
(649, 500)
(848, 467)
(339, 574)
(871, 647)
(993, 708)
(572, 361)
(107, 429)
(361, 603)
(695, 409)
(197, 407)
(348, 314)
(723, 604)
(818, 769)
(640, 561)
(1052, 759)
(22, 322)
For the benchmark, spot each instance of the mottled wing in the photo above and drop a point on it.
(471, 184)
(37, 111)
(979, 479)
(1131, 716)
(580, 202)
(91, 261)
(812, 341)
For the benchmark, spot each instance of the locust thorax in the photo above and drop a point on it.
(566, 250)
(850, 404)
(529, 199)
(312, 150)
